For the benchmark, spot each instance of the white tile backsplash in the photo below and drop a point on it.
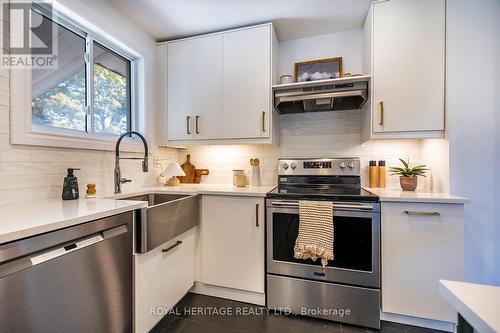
(322, 134)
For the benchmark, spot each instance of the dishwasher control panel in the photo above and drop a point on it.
(65, 249)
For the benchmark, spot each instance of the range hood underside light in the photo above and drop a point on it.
(329, 97)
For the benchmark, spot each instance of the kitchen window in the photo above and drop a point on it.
(89, 99)
(89, 91)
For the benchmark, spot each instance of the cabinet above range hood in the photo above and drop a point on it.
(348, 93)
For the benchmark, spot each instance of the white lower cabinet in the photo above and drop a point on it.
(232, 242)
(421, 244)
(162, 279)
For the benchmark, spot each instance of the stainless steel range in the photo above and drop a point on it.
(348, 289)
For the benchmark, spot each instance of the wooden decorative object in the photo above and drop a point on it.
(198, 173)
(174, 181)
(189, 170)
(324, 67)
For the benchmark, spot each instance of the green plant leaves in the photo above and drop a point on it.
(406, 171)
(406, 164)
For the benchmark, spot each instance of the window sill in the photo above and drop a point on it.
(47, 139)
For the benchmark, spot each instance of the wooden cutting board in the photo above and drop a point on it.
(198, 173)
(189, 170)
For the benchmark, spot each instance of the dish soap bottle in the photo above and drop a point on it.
(70, 186)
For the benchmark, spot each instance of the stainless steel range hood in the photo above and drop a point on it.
(325, 95)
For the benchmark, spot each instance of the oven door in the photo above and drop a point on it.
(356, 244)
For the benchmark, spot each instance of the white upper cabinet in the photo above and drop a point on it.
(408, 68)
(247, 83)
(180, 99)
(208, 87)
(219, 87)
(194, 93)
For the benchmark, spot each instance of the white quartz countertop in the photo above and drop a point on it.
(407, 196)
(478, 304)
(193, 189)
(29, 218)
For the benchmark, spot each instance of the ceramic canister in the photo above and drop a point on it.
(255, 175)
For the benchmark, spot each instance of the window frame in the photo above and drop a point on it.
(91, 38)
(90, 85)
(23, 131)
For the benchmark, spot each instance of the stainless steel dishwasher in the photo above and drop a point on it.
(77, 279)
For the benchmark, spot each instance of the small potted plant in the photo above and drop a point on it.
(408, 176)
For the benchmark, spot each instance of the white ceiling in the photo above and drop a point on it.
(169, 19)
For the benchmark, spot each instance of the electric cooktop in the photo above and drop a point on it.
(335, 179)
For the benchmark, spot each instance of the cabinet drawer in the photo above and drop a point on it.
(421, 244)
(163, 278)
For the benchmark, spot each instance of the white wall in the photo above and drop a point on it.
(37, 172)
(435, 152)
(322, 134)
(346, 44)
(473, 107)
(496, 182)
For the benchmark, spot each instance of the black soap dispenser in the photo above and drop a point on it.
(70, 186)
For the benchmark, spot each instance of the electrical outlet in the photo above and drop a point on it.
(155, 161)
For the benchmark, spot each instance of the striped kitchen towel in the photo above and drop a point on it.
(315, 239)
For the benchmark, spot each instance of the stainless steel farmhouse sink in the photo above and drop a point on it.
(167, 216)
(156, 198)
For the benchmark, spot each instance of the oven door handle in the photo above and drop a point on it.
(282, 203)
(285, 203)
(356, 206)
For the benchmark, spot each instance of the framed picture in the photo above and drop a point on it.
(322, 69)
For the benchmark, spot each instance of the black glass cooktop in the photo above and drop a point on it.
(333, 188)
(334, 193)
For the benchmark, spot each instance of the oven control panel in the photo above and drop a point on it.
(320, 167)
(317, 164)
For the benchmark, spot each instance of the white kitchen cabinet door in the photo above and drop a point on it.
(180, 87)
(208, 87)
(408, 66)
(232, 242)
(247, 82)
(417, 251)
(162, 279)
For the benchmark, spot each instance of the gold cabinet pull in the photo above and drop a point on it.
(197, 123)
(412, 212)
(381, 113)
(263, 121)
(257, 215)
(170, 248)
(188, 129)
